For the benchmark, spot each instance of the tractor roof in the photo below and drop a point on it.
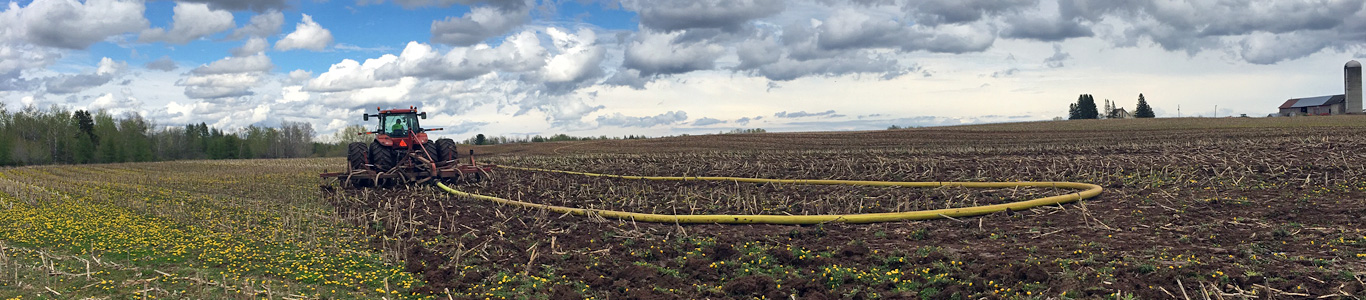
(397, 111)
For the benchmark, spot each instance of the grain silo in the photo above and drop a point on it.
(1352, 74)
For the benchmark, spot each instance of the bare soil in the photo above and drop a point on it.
(1264, 211)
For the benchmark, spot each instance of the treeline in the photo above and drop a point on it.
(58, 136)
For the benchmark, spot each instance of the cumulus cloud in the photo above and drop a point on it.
(787, 69)
(14, 59)
(1269, 48)
(1056, 61)
(254, 5)
(1246, 26)
(523, 72)
(803, 114)
(65, 84)
(228, 77)
(1047, 22)
(299, 77)
(518, 53)
(708, 121)
(411, 4)
(251, 47)
(261, 25)
(249, 64)
(73, 25)
(307, 35)
(219, 85)
(165, 63)
(482, 22)
(351, 75)
(620, 120)
(113, 103)
(576, 64)
(654, 53)
(191, 21)
(937, 12)
(729, 15)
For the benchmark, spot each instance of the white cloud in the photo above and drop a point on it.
(730, 15)
(107, 70)
(190, 22)
(253, 46)
(665, 53)
(299, 77)
(619, 120)
(307, 35)
(261, 25)
(482, 22)
(255, 5)
(17, 58)
(165, 63)
(219, 85)
(351, 75)
(228, 77)
(518, 53)
(293, 94)
(114, 103)
(255, 63)
(70, 24)
(708, 121)
(579, 57)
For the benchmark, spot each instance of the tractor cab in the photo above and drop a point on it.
(398, 124)
(400, 127)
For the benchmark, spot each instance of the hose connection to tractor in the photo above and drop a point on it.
(1086, 191)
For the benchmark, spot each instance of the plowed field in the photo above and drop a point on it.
(1192, 208)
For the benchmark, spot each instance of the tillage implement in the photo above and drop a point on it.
(401, 153)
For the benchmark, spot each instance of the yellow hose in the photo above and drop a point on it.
(1088, 191)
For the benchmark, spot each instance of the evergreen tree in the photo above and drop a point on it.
(480, 139)
(1143, 110)
(1085, 108)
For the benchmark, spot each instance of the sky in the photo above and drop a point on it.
(668, 67)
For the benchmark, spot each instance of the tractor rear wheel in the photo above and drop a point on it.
(381, 156)
(445, 150)
(357, 156)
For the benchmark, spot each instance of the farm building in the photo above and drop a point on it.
(1347, 103)
(1314, 106)
(1120, 113)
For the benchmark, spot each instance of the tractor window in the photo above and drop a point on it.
(399, 124)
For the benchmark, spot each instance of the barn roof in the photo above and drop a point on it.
(1313, 101)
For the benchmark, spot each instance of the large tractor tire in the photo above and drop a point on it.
(382, 157)
(445, 150)
(432, 151)
(357, 156)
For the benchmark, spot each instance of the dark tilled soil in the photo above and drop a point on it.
(1209, 218)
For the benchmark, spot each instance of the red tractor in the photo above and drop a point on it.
(402, 153)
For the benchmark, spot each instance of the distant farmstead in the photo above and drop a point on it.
(1346, 103)
(1120, 113)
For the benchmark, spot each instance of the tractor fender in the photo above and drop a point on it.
(384, 140)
